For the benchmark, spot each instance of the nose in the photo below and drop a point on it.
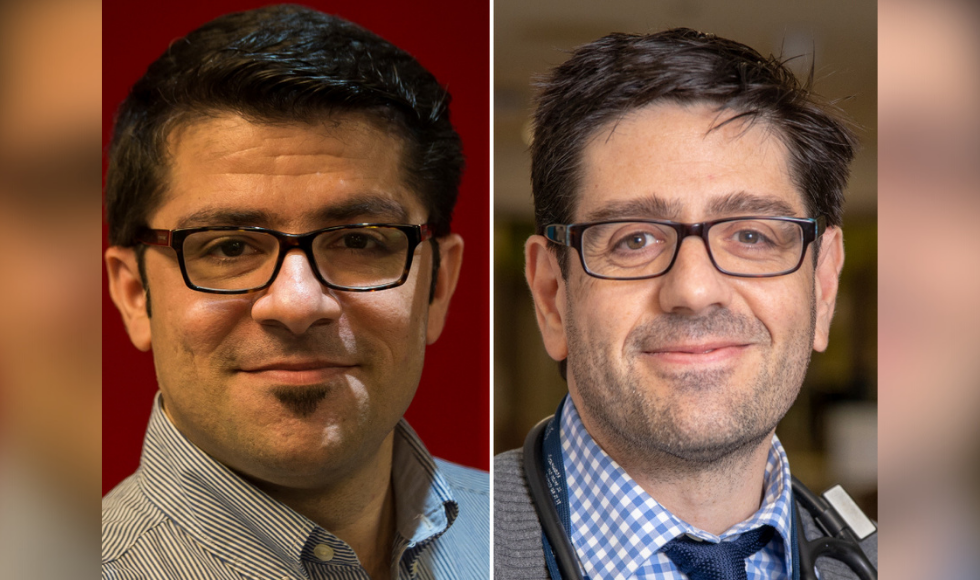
(296, 300)
(693, 284)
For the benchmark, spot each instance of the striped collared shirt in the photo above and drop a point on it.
(618, 529)
(183, 515)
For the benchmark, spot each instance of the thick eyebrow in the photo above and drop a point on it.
(370, 208)
(210, 216)
(366, 208)
(651, 207)
(742, 203)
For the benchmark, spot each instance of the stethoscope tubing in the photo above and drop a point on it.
(565, 556)
(844, 547)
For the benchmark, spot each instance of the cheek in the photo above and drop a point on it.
(391, 325)
(605, 311)
(784, 304)
(395, 317)
(193, 324)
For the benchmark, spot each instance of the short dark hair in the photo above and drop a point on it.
(614, 75)
(275, 64)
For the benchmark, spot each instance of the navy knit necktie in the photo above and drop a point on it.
(721, 561)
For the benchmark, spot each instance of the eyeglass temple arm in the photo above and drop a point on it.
(558, 234)
(154, 237)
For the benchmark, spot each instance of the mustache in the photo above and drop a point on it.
(279, 347)
(672, 328)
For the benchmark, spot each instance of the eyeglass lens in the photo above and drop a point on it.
(636, 249)
(362, 257)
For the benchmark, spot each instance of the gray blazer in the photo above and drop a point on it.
(517, 551)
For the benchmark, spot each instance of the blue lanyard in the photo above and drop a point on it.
(794, 526)
(554, 468)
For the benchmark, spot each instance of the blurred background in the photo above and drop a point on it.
(831, 432)
(50, 353)
(929, 330)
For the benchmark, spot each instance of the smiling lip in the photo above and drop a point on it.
(697, 353)
(298, 372)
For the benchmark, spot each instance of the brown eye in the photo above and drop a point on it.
(356, 241)
(637, 241)
(231, 249)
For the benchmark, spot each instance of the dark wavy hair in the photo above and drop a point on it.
(606, 79)
(274, 64)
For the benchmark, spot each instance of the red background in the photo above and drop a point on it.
(451, 39)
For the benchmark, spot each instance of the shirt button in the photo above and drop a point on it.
(323, 552)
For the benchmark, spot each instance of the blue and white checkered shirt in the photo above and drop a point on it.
(184, 515)
(618, 529)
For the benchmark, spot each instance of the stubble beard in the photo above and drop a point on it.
(641, 426)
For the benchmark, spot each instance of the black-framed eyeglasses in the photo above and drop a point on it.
(237, 260)
(749, 247)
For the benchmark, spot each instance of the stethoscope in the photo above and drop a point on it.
(546, 476)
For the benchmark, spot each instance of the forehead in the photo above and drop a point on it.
(227, 170)
(683, 162)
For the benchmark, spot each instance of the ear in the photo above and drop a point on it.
(128, 293)
(548, 290)
(450, 261)
(825, 282)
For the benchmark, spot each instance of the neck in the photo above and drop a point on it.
(710, 496)
(359, 509)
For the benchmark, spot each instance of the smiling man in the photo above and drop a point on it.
(279, 198)
(688, 197)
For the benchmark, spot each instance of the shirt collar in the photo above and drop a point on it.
(424, 504)
(241, 524)
(617, 526)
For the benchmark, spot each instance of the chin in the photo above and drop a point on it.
(293, 465)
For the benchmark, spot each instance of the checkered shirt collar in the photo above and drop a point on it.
(618, 529)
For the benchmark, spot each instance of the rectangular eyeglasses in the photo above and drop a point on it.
(749, 247)
(237, 260)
